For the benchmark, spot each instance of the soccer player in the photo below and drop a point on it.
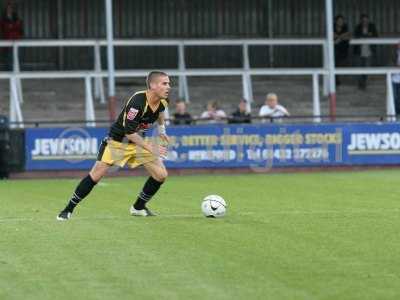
(125, 144)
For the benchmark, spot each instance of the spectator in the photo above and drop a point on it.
(271, 108)
(10, 29)
(342, 37)
(396, 83)
(364, 53)
(4, 146)
(3, 117)
(241, 115)
(181, 116)
(213, 113)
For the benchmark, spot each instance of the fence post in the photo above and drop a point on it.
(15, 108)
(390, 106)
(246, 78)
(326, 65)
(98, 81)
(16, 69)
(183, 85)
(316, 100)
(12, 116)
(110, 59)
(271, 34)
(246, 92)
(89, 108)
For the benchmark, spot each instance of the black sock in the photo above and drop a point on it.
(149, 189)
(81, 191)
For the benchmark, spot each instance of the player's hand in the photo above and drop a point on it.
(163, 151)
(159, 150)
(164, 138)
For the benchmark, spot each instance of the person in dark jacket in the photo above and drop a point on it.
(10, 29)
(342, 37)
(4, 145)
(364, 53)
(241, 115)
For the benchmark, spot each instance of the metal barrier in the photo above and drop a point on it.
(16, 96)
(292, 119)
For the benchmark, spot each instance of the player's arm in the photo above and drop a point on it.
(162, 132)
(161, 119)
(139, 141)
(132, 119)
(157, 150)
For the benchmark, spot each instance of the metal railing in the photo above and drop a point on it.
(16, 96)
(255, 119)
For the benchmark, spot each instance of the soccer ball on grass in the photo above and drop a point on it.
(213, 206)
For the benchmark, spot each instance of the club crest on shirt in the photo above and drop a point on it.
(132, 113)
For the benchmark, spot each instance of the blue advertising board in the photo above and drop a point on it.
(226, 146)
(62, 148)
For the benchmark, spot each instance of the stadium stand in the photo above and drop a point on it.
(63, 99)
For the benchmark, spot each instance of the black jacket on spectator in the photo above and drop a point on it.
(358, 33)
(185, 119)
(341, 48)
(240, 117)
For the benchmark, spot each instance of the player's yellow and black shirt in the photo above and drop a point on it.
(136, 116)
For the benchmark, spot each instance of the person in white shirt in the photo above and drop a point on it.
(213, 113)
(271, 108)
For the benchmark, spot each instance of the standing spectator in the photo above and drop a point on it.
(396, 83)
(10, 29)
(181, 116)
(4, 146)
(364, 53)
(241, 115)
(272, 108)
(342, 37)
(213, 113)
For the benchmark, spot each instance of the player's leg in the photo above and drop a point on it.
(84, 188)
(158, 174)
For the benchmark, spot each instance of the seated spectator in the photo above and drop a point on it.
(241, 115)
(272, 109)
(181, 116)
(213, 114)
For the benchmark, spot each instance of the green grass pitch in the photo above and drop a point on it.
(285, 236)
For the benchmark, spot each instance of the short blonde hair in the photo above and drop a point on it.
(271, 95)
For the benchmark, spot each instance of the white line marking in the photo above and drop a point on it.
(199, 215)
(4, 220)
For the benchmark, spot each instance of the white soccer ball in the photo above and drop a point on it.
(213, 206)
